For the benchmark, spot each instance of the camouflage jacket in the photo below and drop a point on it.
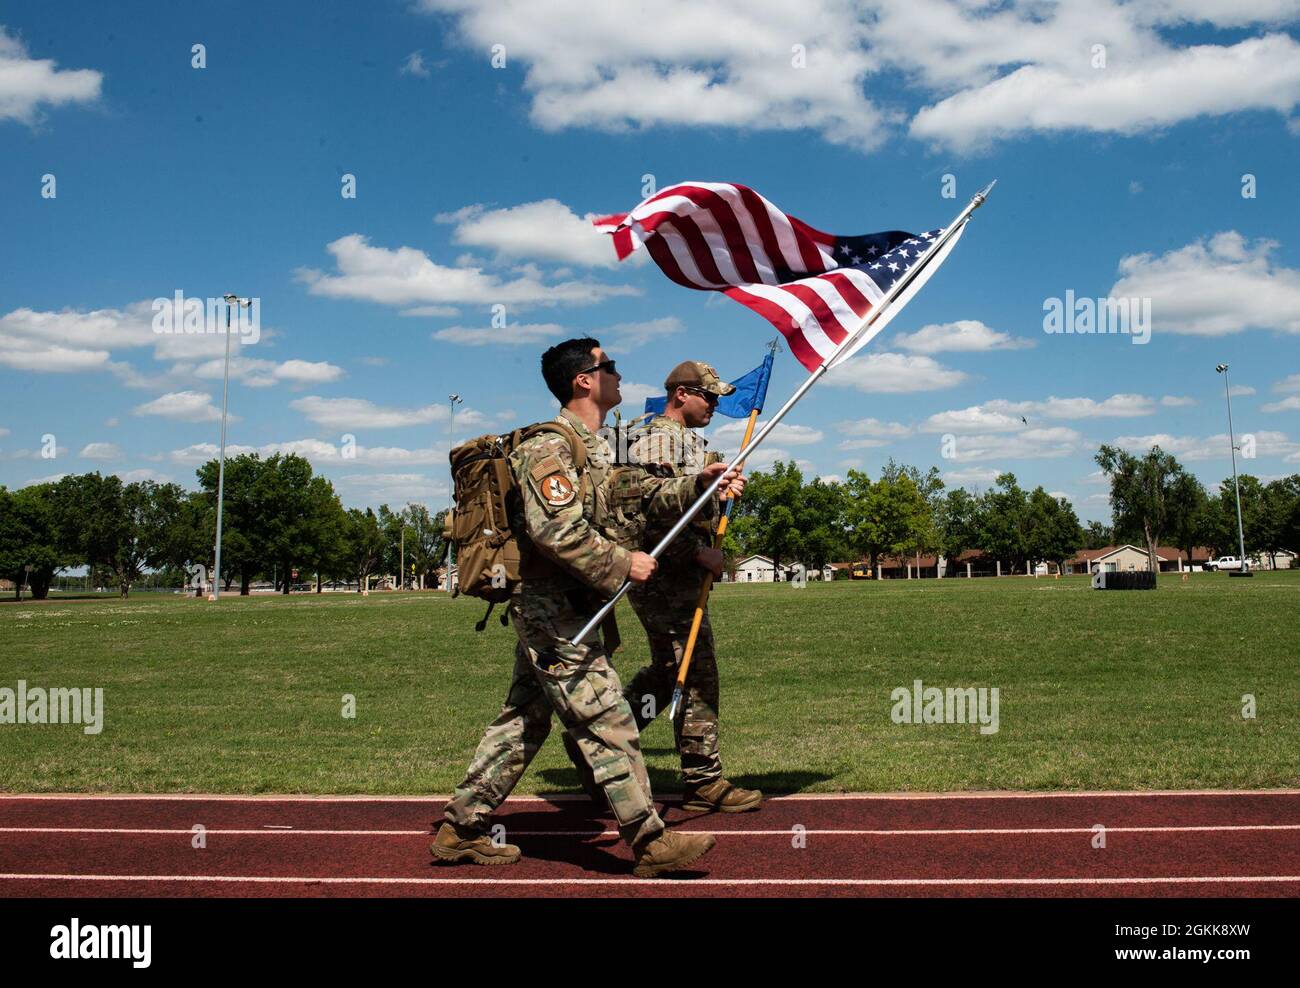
(679, 452)
(574, 530)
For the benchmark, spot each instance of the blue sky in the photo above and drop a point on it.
(473, 184)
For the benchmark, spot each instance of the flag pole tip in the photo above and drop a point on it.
(983, 193)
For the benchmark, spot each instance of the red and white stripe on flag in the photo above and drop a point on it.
(727, 238)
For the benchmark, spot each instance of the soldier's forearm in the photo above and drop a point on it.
(673, 496)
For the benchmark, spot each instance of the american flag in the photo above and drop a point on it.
(816, 288)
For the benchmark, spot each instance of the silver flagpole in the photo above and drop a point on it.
(976, 201)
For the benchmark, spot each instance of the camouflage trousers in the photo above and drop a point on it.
(577, 684)
(667, 621)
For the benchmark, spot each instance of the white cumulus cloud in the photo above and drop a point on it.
(894, 373)
(405, 276)
(1214, 287)
(27, 84)
(187, 406)
(965, 335)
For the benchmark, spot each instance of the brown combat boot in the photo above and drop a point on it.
(720, 796)
(455, 844)
(670, 852)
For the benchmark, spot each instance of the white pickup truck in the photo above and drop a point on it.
(1225, 563)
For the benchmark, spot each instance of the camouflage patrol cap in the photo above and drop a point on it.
(696, 374)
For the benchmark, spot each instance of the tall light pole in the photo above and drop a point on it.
(221, 462)
(451, 492)
(1236, 487)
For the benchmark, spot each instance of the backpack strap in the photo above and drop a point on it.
(576, 446)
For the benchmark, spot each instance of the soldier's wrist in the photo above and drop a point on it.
(620, 571)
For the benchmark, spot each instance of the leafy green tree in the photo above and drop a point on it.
(425, 547)
(1098, 536)
(1003, 521)
(391, 524)
(1189, 508)
(193, 540)
(324, 546)
(244, 550)
(295, 510)
(363, 545)
(768, 508)
(1290, 537)
(122, 528)
(926, 535)
(30, 549)
(958, 525)
(1279, 500)
(1223, 525)
(821, 515)
(1053, 533)
(888, 517)
(1141, 490)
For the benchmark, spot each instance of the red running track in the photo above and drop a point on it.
(952, 845)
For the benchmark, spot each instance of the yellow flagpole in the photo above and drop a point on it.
(703, 600)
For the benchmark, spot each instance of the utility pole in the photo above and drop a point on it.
(1236, 486)
(221, 463)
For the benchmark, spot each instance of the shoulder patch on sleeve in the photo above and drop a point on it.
(557, 490)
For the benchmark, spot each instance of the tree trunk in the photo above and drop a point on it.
(288, 573)
(245, 581)
(39, 584)
(318, 581)
(1153, 563)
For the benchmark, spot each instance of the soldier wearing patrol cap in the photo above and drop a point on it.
(569, 564)
(666, 603)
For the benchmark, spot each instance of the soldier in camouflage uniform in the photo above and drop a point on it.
(666, 603)
(569, 564)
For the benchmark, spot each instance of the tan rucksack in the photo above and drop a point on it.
(487, 550)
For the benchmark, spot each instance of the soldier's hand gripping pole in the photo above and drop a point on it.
(705, 588)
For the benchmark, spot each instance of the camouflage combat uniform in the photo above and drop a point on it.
(571, 560)
(666, 604)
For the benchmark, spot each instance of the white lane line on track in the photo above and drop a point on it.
(187, 831)
(575, 797)
(667, 883)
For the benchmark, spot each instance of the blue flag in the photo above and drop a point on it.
(750, 393)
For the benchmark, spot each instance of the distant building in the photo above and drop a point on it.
(1286, 559)
(1131, 558)
(755, 569)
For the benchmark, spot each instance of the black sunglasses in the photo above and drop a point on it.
(605, 365)
(708, 396)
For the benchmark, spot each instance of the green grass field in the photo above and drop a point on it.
(1097, 690)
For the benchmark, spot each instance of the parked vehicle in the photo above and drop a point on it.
(1225, 563)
